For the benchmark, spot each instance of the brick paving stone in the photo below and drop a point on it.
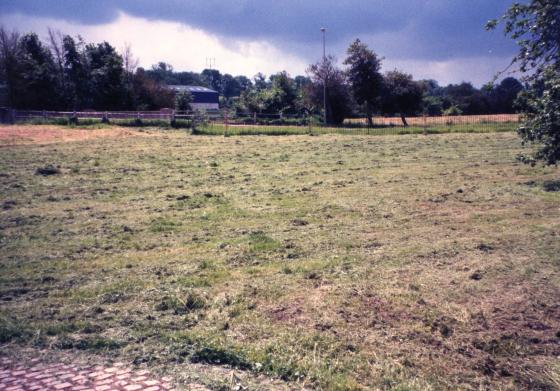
(62, 386)
(60, 377)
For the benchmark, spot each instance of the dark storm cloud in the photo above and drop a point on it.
(422, 29)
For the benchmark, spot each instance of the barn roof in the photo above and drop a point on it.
(191, 88)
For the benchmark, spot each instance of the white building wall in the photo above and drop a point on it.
(205, 106)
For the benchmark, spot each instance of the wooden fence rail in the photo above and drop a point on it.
(235, 118)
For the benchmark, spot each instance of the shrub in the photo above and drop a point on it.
(452, 111)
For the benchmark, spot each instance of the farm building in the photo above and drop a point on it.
(203, 98)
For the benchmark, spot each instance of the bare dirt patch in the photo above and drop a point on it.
(38, 134)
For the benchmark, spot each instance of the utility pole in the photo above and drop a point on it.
(323, 30)
(210, 61)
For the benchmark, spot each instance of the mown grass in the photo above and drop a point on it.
(287, 130)
(336, 262)
(220, 129)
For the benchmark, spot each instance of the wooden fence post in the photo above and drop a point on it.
(226, 120)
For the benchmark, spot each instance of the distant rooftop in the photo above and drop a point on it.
(191, 88)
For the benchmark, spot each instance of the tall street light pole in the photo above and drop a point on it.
(323, 30)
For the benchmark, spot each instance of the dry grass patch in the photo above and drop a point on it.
(47, 134)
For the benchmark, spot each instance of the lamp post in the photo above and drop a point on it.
(323, 30)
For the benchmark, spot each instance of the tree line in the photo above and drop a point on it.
(66, 73)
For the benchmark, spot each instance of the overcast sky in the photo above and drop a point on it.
(438, 39)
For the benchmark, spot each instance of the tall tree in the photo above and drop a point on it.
(504, 95)
(107, 76)
(76, 74)
(260, 81)
(130, 63)
(162, 72)
(149, 94)
(9, 64)
(56, 45)
(183, 100)
(338, 98)
(402, 94)
(283, 93)
(229, 86)
(244, 82)
(38, 74)
(364, 75)
(535, 27)
(213, 78)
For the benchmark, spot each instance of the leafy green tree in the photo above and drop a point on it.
(504, 95)
(301, 84)
(535, 27)
(252, 101)
(38, 74)
(162, 72)
(259, 81)
(338, 98)
(244, 83)
(187, 79)
(541, 118)
(148, 94)
(183, 100)
(106, 73)
(76, 74)
(283, 93)
(213, 79)
(229, 86)
(432, 105)
(364, 75)
(401, 94)
(452, 111)
(10, 74)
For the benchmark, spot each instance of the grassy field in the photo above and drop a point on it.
(215, 129)
(383, 127)
(335, 262)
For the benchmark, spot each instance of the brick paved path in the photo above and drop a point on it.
(57, 377)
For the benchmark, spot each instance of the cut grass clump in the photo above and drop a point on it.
(220, 356)
(93, 344)
(47, 170)
(163, 224)
(12, 330)
(182, 305)
(260, 242)
(551, 186)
